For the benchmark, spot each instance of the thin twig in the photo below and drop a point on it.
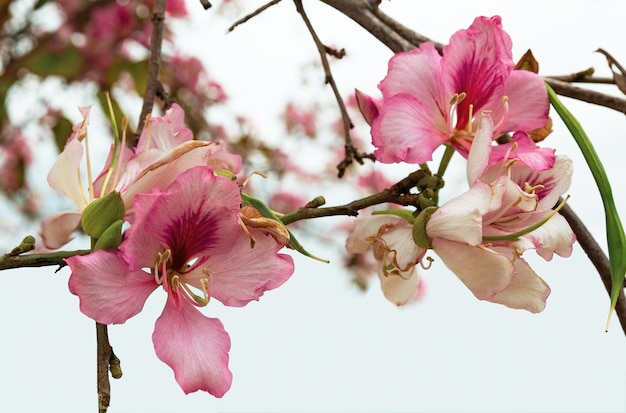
(8, 261)
(586, 95)
(253, 14)
(351, 153)
(158, 17)
(398, 194)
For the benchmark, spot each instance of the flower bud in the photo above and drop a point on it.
(102, 213)
(111, 237)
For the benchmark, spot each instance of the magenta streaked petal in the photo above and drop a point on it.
(482, 270)
(477, 61)
(108, 292)
(57, 230)
(405, 132)
(528, 153)
(195, 347)
(196, 215)
(418, 72)
(243, 274)
(527, 100)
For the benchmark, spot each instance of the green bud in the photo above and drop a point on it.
(225, 173)
(102, 213)
(111, 237)
(419, 228)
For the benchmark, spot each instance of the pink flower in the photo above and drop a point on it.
(390, 238)
(189, 238)
(165, 149)
(475, 233)
(430, 100)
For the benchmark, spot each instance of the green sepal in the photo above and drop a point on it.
(616, 239)
(101, 214)
(111, 237)
(267, 212)
(419, 228)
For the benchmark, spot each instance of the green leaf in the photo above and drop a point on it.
(615, 237)
(66, 63)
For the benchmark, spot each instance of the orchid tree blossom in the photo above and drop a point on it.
(482, 234)
(431, 99)
(187, 240)
(390, 238)
(165, 150)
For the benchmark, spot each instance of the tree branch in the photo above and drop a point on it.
(158, 17)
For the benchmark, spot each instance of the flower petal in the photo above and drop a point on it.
(166, 169)
(418, 72)
(197, 215)
(242, 274)
(108, 292)
(400, 289)
(482, 270)
(460, 219)
(57, 230)
(64, 174)
(527, 291)
(404, 131)
(477, 61)
(555, 236)
(367, 105)
(528, 103)
(195, 347)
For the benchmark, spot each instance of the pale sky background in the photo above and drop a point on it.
(318, 345)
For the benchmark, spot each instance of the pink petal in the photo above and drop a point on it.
(242, 273)
(529, 154)
(418, 72)
(527, 291)
(555, 236)
(397, 236)
(477, 61)
(528, 103)
(460, 219)
(195, 347)
(404, 131)
(479, 155)
(165, 170)
(197, 215)
(550, 184)
(367, 105)
(108, 292)
(482, 270)
(57, 230)
(400, 289)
